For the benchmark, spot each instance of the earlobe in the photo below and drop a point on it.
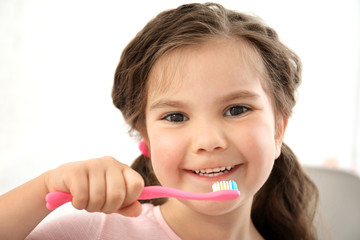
(280, 132)
(278, 149)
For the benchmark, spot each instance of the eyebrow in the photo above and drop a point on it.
(243, 94)
(164, 103)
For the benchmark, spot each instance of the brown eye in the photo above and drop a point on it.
(236, 110)
(175, 117)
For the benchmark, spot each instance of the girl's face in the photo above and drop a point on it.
(209, 119)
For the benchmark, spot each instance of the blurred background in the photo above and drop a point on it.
(57, 60)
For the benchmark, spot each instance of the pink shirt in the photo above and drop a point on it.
(149, 225)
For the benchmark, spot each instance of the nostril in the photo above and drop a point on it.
(209, 147)
(207, 136)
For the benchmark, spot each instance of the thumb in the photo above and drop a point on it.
(133, 210)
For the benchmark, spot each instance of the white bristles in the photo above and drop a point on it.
(224, 185)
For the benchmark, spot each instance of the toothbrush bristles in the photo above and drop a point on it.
(224, 185)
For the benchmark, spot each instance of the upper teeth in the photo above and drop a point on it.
(213, 170)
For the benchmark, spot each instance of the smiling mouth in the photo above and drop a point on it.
(213, 172)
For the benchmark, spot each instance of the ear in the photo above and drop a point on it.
(281, 125)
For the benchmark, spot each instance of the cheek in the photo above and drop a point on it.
(166, 154)
(258, 150)
(256, 138)
(262, 143)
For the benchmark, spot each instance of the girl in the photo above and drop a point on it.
(210, 91)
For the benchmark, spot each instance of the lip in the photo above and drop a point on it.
(225, 176)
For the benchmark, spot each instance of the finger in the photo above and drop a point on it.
(134, 184)
(97, 190)
(115, 190)
(79, 189)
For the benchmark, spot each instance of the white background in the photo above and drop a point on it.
(57, 60)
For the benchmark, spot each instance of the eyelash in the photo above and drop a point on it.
(244, 110)
(168, 117)
(177, 117)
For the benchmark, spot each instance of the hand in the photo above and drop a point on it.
(99, 185)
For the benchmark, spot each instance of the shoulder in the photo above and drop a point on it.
(84, 225)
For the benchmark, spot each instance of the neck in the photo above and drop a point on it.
(190, 224)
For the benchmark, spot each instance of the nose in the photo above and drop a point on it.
(208, 136)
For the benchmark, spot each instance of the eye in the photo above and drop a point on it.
(236, 110)
(175, 117)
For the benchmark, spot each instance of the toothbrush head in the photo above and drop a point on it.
(224, 185)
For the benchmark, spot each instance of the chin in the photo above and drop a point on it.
(212, 208)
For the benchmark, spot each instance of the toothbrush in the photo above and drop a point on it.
(222, 191)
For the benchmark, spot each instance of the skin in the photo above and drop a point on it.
(97, 185)
(220, 126)
(213, 112)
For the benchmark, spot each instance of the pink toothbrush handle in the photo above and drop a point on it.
(163, 192)
(56, 199)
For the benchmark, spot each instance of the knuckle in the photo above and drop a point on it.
(108, 159)
(80, 202)
(115, 198)
(107, 211)
(97, 202)
(140, 183)
(113, 203)
(103, 162)
(73, 173)
(95, 163)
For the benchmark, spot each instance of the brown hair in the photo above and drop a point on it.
(284, 207)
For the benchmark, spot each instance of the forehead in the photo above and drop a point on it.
(168, 72)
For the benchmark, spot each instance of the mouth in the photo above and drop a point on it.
(213, 172)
